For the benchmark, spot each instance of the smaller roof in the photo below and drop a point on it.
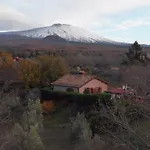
(117, 91)
(75, 80)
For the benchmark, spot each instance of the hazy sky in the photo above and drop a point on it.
(123, 20)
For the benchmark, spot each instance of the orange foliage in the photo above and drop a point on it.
(52, 67)
(48, 106)
(6, 60)
(30, 72)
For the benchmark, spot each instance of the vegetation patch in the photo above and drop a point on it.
(77, 98)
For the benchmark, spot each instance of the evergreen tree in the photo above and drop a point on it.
(37, 53)
(136, 54)
(31, 54)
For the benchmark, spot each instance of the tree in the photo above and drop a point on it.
(6, 60)
(59, 67)
(138, 77)
(118, 127)
(30, 72)
(20, 126)
(31, 54)
(51, 68)
(19, 55)
(136, 54)
(81, 130)
(14, 54)
(37, 53)
(49, 53)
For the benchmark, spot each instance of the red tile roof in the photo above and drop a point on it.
(118, 91)
(75, 80)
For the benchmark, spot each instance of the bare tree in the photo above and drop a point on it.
(82, 132)
(117, 127)
(137, 77)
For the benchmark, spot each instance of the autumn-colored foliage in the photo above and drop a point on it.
(51, 68)
(6, 60)
(30, 72)
(48, 106)
(41, 70)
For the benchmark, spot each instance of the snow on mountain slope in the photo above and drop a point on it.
(67, 32)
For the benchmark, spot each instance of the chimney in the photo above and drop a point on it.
(123, 87)
(82, 72)
(78, 68)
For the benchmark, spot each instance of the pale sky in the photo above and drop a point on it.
(122, 20)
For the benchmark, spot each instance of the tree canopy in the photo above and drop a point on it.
(136, 54)
(6, 59)
(51, 68)
(38, 71)
(42, 70)
(30, 72)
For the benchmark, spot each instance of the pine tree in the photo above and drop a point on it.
(136, 53)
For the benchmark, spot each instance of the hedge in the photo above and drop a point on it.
(78, 98)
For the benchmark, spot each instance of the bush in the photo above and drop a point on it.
(83, 137)
(20, 125)
(77, 98)
(135, 112)
(48, 106)
(121, 125)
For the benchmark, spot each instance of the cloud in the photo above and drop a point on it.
(86, 12)
(77, 12)
(14, 14)
(7, 12)
(110, 26)
(97, 15)
(134, 23)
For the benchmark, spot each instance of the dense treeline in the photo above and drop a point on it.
(38, 71)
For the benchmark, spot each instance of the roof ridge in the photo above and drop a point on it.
(76, 80)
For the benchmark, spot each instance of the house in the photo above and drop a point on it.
(80, 83)
(114, 68)
(123, 92)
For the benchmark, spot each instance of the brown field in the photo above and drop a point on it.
(75, 53)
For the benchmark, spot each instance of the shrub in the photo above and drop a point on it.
(48, 106)
(83, 137)
(25, 135)
(121, 124)
(135, 112)
(20, 125)
(77, 98)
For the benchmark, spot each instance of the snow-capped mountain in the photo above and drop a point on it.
(67, 32)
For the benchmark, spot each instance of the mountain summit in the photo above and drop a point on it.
(64, 31)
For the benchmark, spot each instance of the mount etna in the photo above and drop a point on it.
(58, 36)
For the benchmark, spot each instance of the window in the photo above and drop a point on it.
(89, 91)
(86, 91)
(92, 90)
(99, 90)
(70, 90)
